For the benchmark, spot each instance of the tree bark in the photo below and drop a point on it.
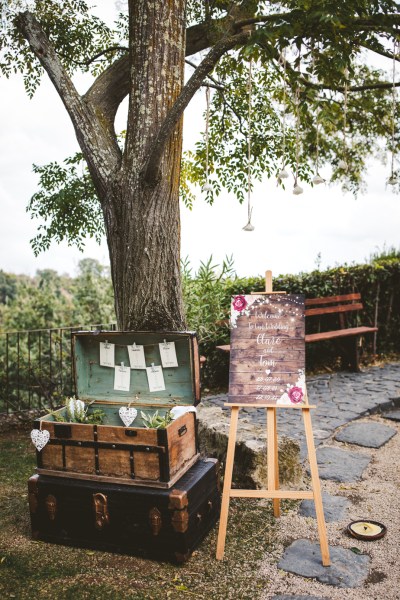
(142, 221)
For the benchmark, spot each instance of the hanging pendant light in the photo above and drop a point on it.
(317, 179)
(297, 189)
(249, 226)
(207, 187)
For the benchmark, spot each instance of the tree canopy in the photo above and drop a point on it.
(309, 59)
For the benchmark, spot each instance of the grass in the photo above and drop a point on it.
(31, 569)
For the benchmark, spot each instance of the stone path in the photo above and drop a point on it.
(369, 435)
(348, 569)
(335, 508)
(341, 465)
(340, 398)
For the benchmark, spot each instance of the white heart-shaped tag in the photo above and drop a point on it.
(40, 438)
(268, 371)
(127, 415)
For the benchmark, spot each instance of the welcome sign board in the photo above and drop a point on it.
(267, 360)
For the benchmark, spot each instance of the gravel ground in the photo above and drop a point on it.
(375, 497)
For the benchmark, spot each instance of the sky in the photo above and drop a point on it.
(322, 226)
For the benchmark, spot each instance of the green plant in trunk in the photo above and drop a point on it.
(77, 412)
(156, 421)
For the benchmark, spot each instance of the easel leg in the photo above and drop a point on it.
(316, 486)
(272, 458)
(230, 455)
(276, 502)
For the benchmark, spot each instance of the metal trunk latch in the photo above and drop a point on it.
(51, 506)
(100, 505)
(155, 520)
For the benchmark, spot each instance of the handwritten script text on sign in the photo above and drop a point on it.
(267, 350)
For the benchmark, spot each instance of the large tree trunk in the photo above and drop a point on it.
(139, 189)
(144, 245)
(142, 217)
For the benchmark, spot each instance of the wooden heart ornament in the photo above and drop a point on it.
(40, 438)
(127, 415)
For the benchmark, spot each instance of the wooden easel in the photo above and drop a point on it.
(273, 492)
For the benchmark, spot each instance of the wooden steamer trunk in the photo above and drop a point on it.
(112, 452)
(155, 523)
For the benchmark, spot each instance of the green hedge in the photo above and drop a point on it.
(208, 295)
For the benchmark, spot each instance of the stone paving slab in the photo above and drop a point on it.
(335, 508)
(393, 415)
(341, 465)
(347, 570)
(369, 435)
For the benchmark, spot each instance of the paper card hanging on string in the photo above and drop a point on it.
(267, 359)
(136, 357)
(168, 354)
(122, 378)
(107, 354)
(155, 378)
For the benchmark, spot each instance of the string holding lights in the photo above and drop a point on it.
(206, 187)
(393, 180)
(249, 226)
(297, 189)
(283, 174)
(342, 164)
(317, 179)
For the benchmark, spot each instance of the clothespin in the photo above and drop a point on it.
(122, 367)
(134, 345)
(152, 368)
(106, 344)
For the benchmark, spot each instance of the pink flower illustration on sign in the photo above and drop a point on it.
(295, 394)
(239, 303)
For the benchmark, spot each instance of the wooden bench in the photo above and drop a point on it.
(336, 307)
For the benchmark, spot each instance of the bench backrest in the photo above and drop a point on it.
(333, 305)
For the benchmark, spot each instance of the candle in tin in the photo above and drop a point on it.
(366, 530)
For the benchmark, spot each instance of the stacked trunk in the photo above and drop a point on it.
(131, 489)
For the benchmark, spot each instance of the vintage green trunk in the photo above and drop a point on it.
(112, 452)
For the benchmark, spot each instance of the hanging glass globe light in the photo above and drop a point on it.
(297, 190)
(342, 164)
(206, 187)
(248, 227)
(392, 179)
(317, 179)
(283, 174)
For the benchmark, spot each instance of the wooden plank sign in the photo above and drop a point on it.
(267, 361)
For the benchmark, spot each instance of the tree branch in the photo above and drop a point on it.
(217, 85)
(380, 51)
(151, 170)
(102, 53)
(99, 148)
(112, 86)
(380, 85)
